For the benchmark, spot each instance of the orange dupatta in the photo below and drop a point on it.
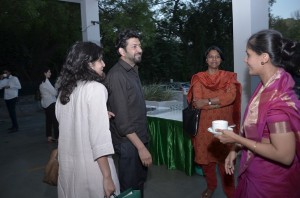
(224, 79)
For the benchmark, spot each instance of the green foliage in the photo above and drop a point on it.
(175, 34)
(216, 29)
(154, 92)
(118, 15)
(36, 33)
(290, 28)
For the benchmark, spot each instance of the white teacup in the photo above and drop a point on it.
(219, 124)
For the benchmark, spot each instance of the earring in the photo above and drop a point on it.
(262, 63)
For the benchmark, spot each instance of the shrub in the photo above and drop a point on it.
(156, 92)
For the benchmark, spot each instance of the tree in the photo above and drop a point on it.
(39, 35)
(175, 34)
(216, 29)
(119, 15)
(195, 25)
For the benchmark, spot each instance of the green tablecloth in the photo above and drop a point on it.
(170, 146)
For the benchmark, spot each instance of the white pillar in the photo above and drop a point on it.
(89, 20)
(249, 16)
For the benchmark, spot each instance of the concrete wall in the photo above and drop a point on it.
(90, 25)
(249, 16)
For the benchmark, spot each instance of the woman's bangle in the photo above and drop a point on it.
(254, 146)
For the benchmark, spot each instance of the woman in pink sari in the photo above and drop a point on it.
(270, 135)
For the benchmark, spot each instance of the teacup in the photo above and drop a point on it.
(219, 124)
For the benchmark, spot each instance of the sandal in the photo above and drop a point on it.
(52, 140)
(207, 193)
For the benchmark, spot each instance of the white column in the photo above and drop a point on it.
(89, 20)
(249, 16)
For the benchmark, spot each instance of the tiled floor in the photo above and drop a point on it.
(24, 154)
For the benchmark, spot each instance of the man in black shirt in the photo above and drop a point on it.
(129, 126)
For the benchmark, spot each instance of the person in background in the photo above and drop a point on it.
(48, 99)
(270, 135)
(129, 126)
(86, 167)
(218, 94)
(11, 86)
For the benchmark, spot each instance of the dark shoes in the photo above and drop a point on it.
(13, 130)
(52, 140)
(207, 193)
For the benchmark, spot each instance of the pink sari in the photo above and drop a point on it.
(260, 177)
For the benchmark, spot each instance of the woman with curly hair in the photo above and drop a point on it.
(86, 168)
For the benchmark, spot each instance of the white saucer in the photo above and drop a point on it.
(217, 133)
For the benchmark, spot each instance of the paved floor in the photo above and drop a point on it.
(24, 154)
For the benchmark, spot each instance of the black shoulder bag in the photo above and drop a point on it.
(190, 119)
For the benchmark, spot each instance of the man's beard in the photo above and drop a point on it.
(137, 59)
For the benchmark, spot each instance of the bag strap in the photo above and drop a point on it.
(190, 105)
(192, 95)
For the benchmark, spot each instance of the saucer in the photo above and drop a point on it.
(217, 133)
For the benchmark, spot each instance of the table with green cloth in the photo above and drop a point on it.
(169, 145)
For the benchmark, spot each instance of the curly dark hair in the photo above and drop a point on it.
(76, 68)
(123, 36)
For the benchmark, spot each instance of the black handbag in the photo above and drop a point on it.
(190, 119)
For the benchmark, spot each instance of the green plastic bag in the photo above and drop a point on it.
(129, 193)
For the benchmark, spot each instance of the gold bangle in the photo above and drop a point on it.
(254, 146)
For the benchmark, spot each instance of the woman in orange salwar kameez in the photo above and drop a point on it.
(217, 93)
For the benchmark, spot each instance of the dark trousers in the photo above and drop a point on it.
(51, 121)
(132, 173)
(11, 107)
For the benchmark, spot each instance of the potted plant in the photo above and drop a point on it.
(155, 95)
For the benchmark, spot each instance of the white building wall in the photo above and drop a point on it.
(90, 25)
(249, 16)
